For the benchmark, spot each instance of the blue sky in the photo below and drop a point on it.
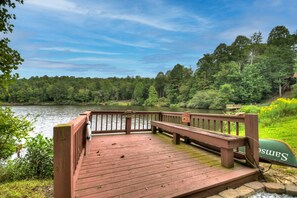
(93, 38)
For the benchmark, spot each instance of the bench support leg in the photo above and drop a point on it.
(154, 129)
(176, 138)
(187, 140)
(227, 157)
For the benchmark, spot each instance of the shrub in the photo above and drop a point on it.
(294, 91)
(163, 102)
(39, 157)
(249, 109)
(37, 163)
(277, 109)
(13, 130)
(209, 99)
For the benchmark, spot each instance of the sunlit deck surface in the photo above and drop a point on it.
(147, 165)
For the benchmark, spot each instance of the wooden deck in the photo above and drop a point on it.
(147, 165)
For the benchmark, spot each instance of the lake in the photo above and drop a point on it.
(49, 116)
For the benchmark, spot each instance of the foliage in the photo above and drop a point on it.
(153, 97)
(295, 91)
(9, 58)
(249, 109)
(36, 164)
(250, 70)
(39, 157)
(163, 102)
(27, 188)
(13, 130)
(279, 108)
(138, 93)
(209, 99)
(178, 84)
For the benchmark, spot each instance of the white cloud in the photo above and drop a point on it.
(59, 5)
(121, 42)
(47, 64)
(162, 16)
(63, 49)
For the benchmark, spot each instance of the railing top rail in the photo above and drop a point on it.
(115, 111)
(77, 123)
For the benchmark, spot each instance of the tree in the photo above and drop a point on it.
(279, 36)
(138, 93)
(160, 82)
(206, 68)
(177, 77)
(256, 38)
(222, 54)
(239, 50)
(277, 65)
(12, 131)
(153, 97)
(9, 58)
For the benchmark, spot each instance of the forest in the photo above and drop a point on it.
(247, 71)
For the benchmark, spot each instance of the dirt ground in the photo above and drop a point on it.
(279, 174)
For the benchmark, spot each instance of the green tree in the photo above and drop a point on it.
(204, 75)
(153, 97)
(239, 50)
(9, 59)
(13, 130)
(276, 65)
(177, 77)
(279, 36)
(160, 82)
(138, 93)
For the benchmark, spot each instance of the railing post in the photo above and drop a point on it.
(87, 143)
(63, 161)
(160, 119)
(128, 121)
(251, 132)
(186, 119)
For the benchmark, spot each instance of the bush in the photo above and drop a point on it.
(209, 99)
(13, 130)
(294, 91)
(37, 163)
(249, 109)
(39, 157)
(163, 102)
(278, 109)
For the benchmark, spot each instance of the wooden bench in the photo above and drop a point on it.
(226, 143)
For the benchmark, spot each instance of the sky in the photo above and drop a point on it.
(120, 38)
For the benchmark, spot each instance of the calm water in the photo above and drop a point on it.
(49, 116)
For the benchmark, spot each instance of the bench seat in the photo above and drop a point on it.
(225, 142)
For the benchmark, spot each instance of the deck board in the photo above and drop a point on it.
(147, 165)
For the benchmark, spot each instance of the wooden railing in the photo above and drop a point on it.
(70, 145)
(70, 142)
(122, 121)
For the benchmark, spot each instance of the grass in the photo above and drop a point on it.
(27, 188)
(122, 103)
(285, 129)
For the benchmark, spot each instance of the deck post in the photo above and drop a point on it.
(128, 121)
(227, 156)
(176, 138)
(160, 119)
(186, 119)
(63, 161)
(154, 129)
(251, 132)
(87, 143)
